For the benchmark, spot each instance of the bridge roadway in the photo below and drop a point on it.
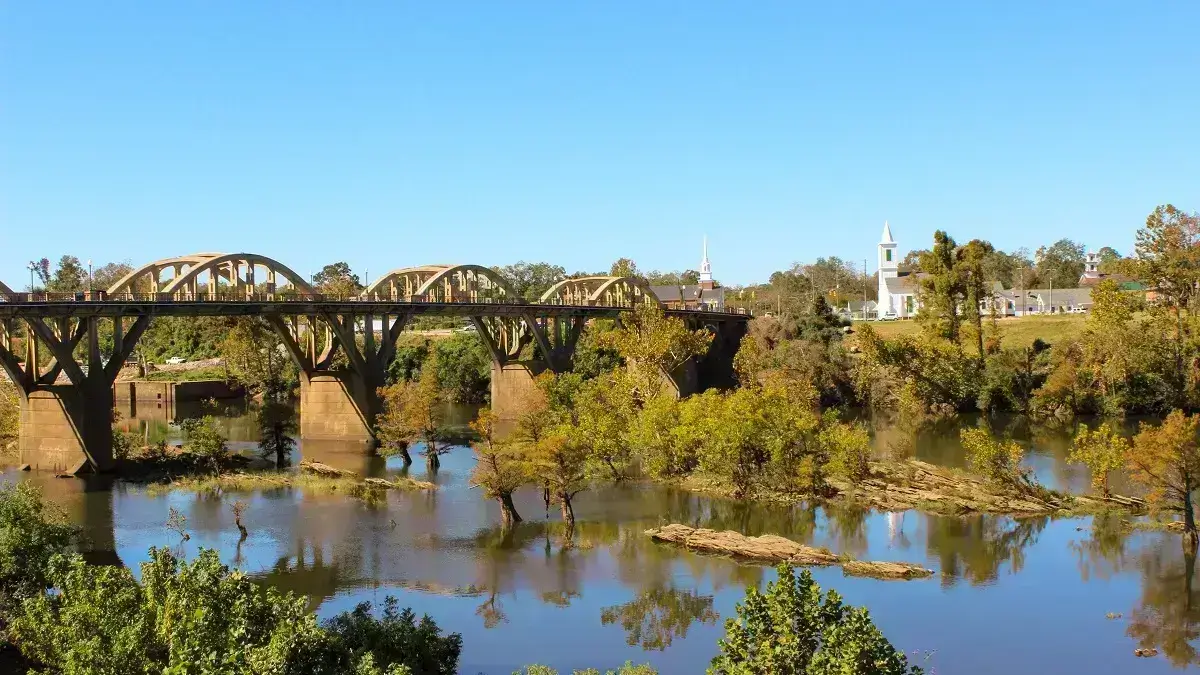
(342, 362)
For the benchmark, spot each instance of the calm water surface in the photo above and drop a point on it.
(1010, 596)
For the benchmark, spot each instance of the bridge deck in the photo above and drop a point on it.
(290, 307)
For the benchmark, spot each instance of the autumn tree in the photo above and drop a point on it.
(412, 413)
(653, 345)
(500, 467)
(996, 459)
(1165, 458)
(560, 461)
(1102, 450)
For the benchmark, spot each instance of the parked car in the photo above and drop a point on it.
(175, 360)
(888, 316)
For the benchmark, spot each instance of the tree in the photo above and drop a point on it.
(204, 442)
(792, 630)
(500, 467)
(942, 291)
(255, 355)
(684, 278)
(412, 413)
(464, 368)
(658, 615)
(976, 289)
(560, 461)
(624, 267)
(200, 617)
(277, 428)
(997, 460)
(531, 280)
(106, 275)
(1102, 451)
(337, 279)
(1167, 257)
(1165, 459)
(653, 345)
(10, 414)
(31, 533)
(1060, 264)
(601, 413)
(70, 277)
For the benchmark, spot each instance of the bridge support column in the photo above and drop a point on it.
(67, 427)
(64, 429)
(337, 405)
(511, 382)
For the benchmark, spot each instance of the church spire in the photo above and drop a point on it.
(705, 267)
(887, 234)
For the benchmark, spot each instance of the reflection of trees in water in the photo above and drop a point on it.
(975, 547)
(1102, 554)
(657, 616)
(847, 526)
(1168, 615)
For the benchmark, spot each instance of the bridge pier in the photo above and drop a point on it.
(511, 382)
(63, 427)
(337, 405)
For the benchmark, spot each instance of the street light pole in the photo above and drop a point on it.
(32, 267)
(90, 283)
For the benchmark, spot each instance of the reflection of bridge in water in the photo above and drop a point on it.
(67, 427)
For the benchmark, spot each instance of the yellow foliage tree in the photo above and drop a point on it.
(1165, 458)
(500, 467)
(1102, 451)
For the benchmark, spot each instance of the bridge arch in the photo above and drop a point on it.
(238, 270)
(442, 283)
(600, 291)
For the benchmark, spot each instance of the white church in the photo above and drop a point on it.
(897, 292)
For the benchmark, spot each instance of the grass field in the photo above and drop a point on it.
(1014, 331)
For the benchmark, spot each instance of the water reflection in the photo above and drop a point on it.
(607, 593)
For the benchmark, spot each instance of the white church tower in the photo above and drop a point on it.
(706, 279)
(889, 268)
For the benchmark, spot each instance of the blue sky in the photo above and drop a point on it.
(390, 134)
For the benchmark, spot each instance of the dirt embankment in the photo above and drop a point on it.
(896, 486)
(773, 549)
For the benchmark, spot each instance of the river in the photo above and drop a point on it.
(1009, 596)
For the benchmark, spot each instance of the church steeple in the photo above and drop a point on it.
(888, 265)
(706, 278)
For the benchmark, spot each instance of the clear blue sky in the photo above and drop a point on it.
(390, 134)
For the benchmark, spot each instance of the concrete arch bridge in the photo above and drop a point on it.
(341, 342)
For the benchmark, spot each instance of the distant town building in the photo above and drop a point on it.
(897, 291)
(707, 294)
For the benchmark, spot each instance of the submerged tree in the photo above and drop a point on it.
(277, 428)
(1165, 459)
(412, 413)
(1102, 451)
(500, 467)
(653, 345)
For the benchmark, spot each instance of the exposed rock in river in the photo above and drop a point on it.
(773, 549)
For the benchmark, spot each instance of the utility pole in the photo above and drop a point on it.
(864, 305)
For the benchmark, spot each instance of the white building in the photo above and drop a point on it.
(897, 292)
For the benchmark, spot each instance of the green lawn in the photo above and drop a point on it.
(1014, 332)
(193, 375)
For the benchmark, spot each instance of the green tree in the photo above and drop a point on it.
(653, 344)
(1167, 257)
(624, 267)
(1060, 264)
(69, 277)
(464, 368)
(277, 430)
(997, 460)
(792, 630)
(204, 442)
(31, 533)
(338, 280)
(254, 354)
(531, 280)
(10, 414)
(560, 462)
(1102, 450)
(942, 291)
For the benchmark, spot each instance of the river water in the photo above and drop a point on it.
(1009, 596)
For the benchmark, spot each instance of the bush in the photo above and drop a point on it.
(200, 617)
(997, 460)
(31, 533)
(205, 442)
(792, 630)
